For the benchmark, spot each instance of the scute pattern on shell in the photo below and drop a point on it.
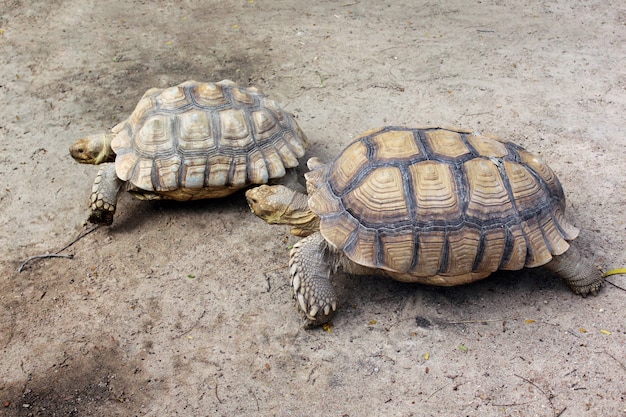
(432, 202)
(205, 136)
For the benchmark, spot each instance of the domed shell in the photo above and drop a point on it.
(445, 205)
(201, 137)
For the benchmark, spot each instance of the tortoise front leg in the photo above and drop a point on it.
(310, 265)
(104, 195)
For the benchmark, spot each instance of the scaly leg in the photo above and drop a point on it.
(310, 265)
(578, 273)
(104, 195)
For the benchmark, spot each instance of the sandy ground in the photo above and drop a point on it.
(184, 309)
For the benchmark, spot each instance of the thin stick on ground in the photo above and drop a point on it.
(434, 392)
(615, 285)
(216, 395)
(481, 321)
(193, 326)
(543, 392)
(278, 268)
(616, 360)
(79, 237)
(47, 255)
(57, 254)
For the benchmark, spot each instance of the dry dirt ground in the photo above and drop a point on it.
(184, 309)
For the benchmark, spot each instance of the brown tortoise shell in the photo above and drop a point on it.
(440, 206)
(199, 140)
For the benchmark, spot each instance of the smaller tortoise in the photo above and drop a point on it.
(188, 142)
(427, 205)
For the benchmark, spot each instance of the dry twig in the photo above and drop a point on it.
(57, 253)
(480, 321)
(79, 237)
(616, 360)
(615, 285)
(193, 326)
(434, 392)
(46, 255)
(544, 393)
(217, 396)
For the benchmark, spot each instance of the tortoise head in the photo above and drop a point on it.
(94, 149)
(277, 204)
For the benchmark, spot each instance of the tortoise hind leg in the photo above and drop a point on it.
(310, 264)
(578, 273)
(104, 195)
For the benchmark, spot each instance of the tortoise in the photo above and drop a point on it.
(191, 141)
(431, 205)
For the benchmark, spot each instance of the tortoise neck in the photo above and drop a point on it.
(106, 154)
(299, 216)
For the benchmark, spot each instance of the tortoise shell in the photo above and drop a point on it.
(199, 140)
(439, 206)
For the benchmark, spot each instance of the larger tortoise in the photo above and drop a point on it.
(192, 141)
(428, 205)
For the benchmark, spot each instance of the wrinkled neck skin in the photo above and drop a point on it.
(105, 153)
(297, 214)
(278, 204)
